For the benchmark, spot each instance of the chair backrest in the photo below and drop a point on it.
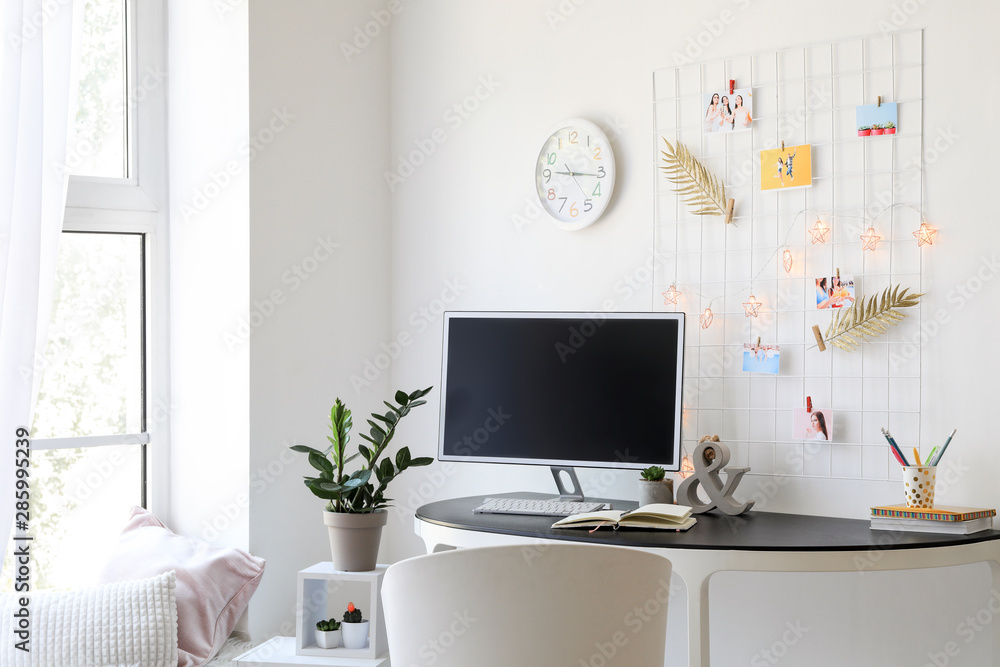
(572, 605)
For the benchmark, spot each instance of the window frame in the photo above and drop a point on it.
(138, 205)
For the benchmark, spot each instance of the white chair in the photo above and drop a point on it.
(571, 605)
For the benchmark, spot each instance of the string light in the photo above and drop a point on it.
(819, 231)
(924, 234)
(870, 239)
(671, 295)
(752, 306)
(706, 318)
(786, 260)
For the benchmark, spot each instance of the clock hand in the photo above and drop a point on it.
(574, 173)
(573, 176)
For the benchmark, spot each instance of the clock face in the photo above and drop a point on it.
(575, 174)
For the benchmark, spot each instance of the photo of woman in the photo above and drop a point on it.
(817, 427)
(712, 114)
(725, 116)
(727, 111)
(741, 114)
(812, 424)
(834, 292)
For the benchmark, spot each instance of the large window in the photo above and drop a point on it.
(94, 445)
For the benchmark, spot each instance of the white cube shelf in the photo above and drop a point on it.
(280, 652)
(311, 607)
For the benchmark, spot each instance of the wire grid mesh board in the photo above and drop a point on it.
(797, 96)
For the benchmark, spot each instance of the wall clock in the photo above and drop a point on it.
(575, 173)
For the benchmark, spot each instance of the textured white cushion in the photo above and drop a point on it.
(128, 623)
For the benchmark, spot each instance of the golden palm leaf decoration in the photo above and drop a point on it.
(700, 190)
(868, 317)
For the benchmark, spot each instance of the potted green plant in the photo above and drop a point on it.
(877, 129)
(864, 130)
(890, 128)
(328, 634)
(654, 487)
(355, 628)
(355, 508)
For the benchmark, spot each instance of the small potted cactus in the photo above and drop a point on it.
(354, 627)
(890, 128)
(328, 634)
(864, 130)
(877, 129)
(654, 487)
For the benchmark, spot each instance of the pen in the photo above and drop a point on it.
(930, 457)
(916, 456)
(945, 446)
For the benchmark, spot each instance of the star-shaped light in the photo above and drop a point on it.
(671, 295)
(752, 306)
(870, 239)
(924, 234)
(706, 318)
(786, 260)
(819, 232)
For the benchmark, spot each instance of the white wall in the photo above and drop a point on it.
(209, 269)
(453, 239)
(316, 181)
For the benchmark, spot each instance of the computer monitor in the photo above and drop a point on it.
(563, 389)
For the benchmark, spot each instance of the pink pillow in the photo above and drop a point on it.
(214, 584)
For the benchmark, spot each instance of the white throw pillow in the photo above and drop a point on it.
(123, 624)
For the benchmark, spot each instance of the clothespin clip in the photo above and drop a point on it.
(819, 338)
(730, 205)
(732, 85)
(782, 144)
(838, 273)
(879, 101)
(809, 404)
(758, 342)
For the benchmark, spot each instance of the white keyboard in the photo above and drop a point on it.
(538, 507)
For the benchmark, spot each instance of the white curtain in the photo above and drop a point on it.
(35, 92)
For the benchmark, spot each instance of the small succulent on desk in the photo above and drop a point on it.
(328, 626)
(653, 474)
(353, 614)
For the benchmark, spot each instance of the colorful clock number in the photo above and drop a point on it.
(551, 195)
(551, 158)
(597, 190)
(597, 152)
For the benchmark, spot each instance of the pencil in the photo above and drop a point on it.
(895, 447)
(945, 446)
(916, 456)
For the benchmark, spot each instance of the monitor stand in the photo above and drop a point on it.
(576, 493)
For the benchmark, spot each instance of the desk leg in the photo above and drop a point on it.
(995, 572)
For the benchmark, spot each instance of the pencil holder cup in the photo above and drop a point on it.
(918, 485)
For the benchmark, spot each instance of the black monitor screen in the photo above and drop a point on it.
(575, 389)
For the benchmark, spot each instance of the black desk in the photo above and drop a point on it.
(754, 542)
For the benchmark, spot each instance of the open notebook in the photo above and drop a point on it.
(659, 516)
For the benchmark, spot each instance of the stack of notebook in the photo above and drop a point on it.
(954, 520)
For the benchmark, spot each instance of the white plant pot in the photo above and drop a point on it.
(328, 639)
(355, 634)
